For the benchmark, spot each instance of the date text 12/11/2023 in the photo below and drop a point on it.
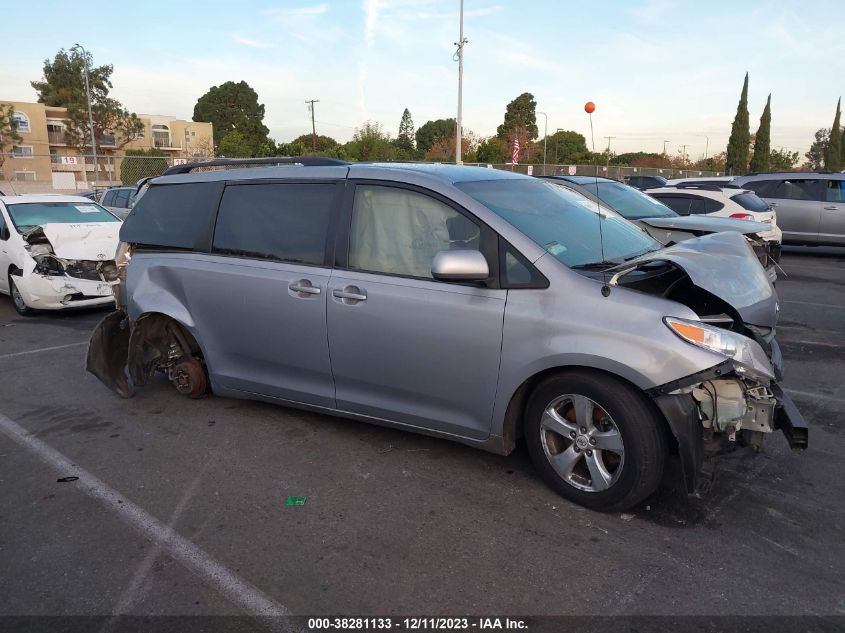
(416, 624)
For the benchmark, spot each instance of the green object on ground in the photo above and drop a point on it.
(295, 501)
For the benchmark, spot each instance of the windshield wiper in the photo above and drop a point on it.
(594, 265)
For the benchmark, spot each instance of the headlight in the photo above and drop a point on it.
(48, 265)
(749, 358)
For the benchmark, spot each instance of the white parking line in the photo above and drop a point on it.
(236, 589)
(43, 349)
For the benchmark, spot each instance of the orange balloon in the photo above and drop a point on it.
(589, 107)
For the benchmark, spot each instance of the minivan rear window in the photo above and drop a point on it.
(282, 221)
(174, 216)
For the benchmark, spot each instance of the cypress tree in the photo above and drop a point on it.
(763, 142)
(833, 158)
(737, 155)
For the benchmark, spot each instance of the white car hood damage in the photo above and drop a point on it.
(94, 241)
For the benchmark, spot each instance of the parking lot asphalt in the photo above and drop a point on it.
(180, 506)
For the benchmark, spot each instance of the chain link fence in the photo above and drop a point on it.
(75, 174)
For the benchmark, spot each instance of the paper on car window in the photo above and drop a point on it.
(87, 208)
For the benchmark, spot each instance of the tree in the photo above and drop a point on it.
(323, 144)
(762, 141)
(521, 114)
(233, 106)
(370, 142)
(112, 123)
(432, 131)
(492, 150)
(405, 140)
(234, 145)
(567, 147)
(64, 85)
(833, 157)
(738, 143)
(782, 160)
(140, 163)
(818, 150)
(8, 132)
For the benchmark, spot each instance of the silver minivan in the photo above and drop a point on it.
(471, 304)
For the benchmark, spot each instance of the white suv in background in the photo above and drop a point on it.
(721, 200)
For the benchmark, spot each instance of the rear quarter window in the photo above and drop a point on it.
(750, 202)
(174, 216)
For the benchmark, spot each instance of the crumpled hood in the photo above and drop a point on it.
(709, 224)
(95, 241)
(724, 265)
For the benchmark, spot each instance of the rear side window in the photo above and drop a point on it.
(711, 205)
(174, 216)
(283, 222)
(750, 202)
(835, 191)
(121, 199)
(798, 189)
(763, 188)
(678, 204)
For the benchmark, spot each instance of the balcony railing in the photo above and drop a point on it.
(56, 137)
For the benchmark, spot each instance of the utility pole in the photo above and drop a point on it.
(459, 57)
(311, 103)
(608, 150)
(684, 153)
(78, 47)
(545, 139)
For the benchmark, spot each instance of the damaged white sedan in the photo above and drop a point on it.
(57, 252)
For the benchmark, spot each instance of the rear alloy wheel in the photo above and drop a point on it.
(17, 299)
(596, 440)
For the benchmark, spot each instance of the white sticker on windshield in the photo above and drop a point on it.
(87, 208)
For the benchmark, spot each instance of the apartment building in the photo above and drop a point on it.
(42, 155)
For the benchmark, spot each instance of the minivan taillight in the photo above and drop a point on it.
(742, 216)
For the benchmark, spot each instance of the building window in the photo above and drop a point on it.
(21, 121)
(161, 136)
(25, 176)
(22, 151)
(56, 133)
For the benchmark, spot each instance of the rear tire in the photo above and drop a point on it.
(595, 439)
(17, 298)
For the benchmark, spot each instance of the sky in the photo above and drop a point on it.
(656, 69)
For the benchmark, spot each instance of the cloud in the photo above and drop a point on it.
(251, 43)
(371, 10)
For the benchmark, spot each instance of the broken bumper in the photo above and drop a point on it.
(60, 292)
(699, 441)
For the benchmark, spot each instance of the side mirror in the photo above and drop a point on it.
(459, 265)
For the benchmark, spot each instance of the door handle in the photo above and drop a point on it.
(304, 287)
(831, 208)
(350, 294)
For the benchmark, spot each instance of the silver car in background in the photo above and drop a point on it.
(470, 304)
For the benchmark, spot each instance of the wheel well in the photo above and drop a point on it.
(515, 412)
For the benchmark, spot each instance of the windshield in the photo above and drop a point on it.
(31, 214)
(628, 202)
(565, 223)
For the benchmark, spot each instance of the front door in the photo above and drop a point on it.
(832, 225)
(259, 299)
(405, 347)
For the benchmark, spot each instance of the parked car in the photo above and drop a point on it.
(91, 195)
(666, 226)
(471, 304)
(118, 200)
(719, 201)
(645, 182)
(56, 252)
(810, 206)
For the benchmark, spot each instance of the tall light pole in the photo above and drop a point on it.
(78, 47)
(545, 135)
(664, 148)
(706, 144)
(459, 57)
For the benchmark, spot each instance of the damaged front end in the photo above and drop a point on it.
(737, 401)
(60, 275)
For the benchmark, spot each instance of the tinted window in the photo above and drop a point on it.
(798, 189)
(763, 188)
(678, 204)
(750, 201)
(697, 205)
(835, 191)
(564, 223)
(398, 231)
(31, 214)
(285, 222)
(108, 199)
(121, 198)
(174, 216)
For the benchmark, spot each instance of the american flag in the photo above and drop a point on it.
(515, 155)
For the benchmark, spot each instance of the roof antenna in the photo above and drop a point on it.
(589, 108)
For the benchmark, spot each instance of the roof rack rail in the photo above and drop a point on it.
(305, 161)
(703, 186)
